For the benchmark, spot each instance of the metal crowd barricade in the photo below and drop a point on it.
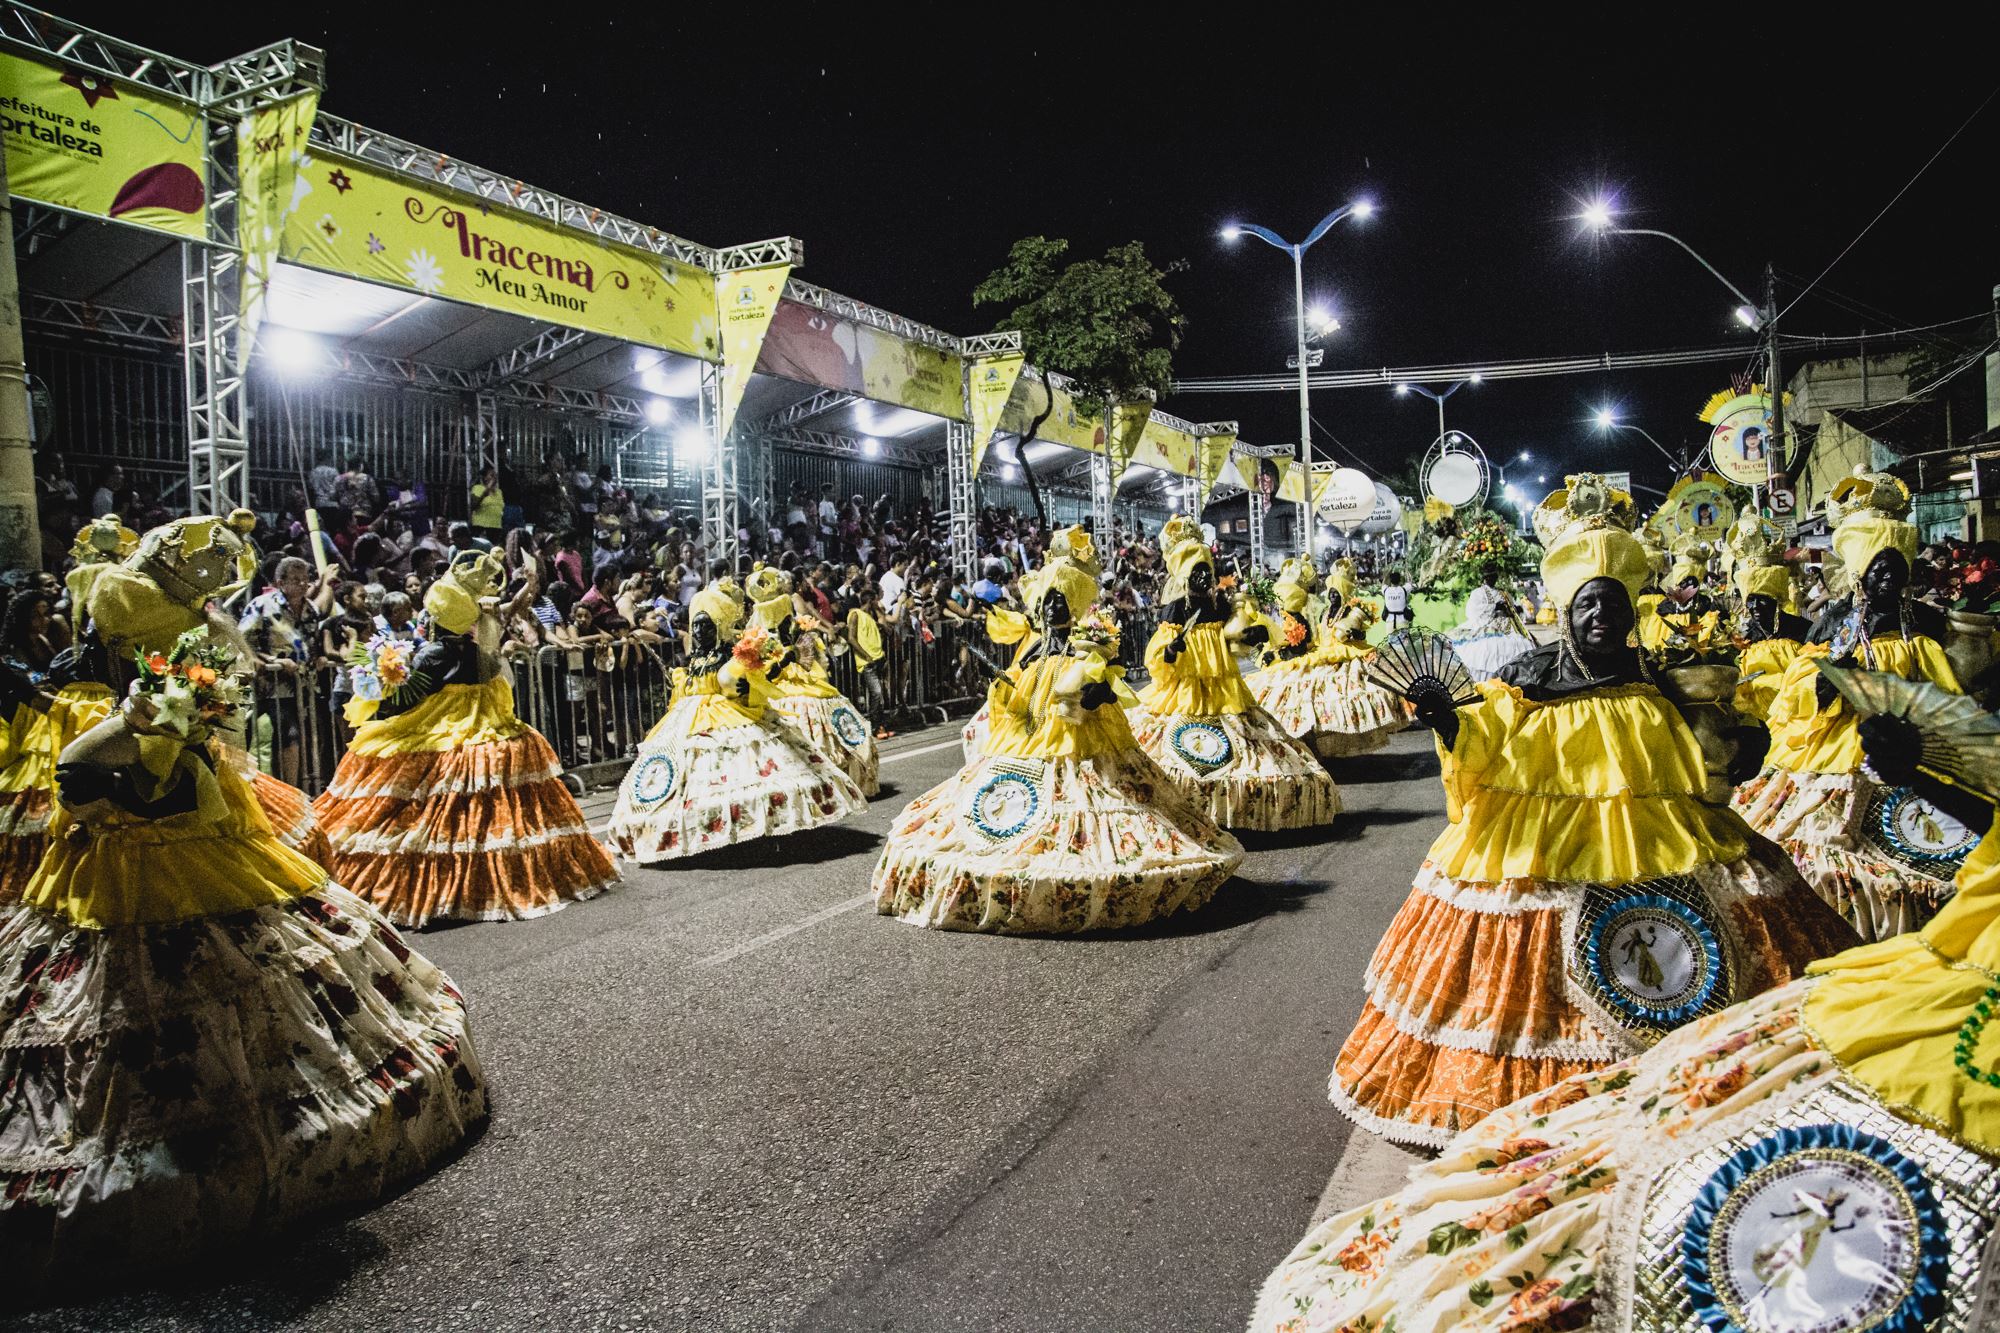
(596, 705)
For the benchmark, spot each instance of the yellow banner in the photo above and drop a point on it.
(1065, 424)
(1168, 448)
(1292, 490)
(747, 298)
(1270, 477)
(1128, 426)
(1214, 457)
(910, 374)
(990, 386)
(270, 154)
(363, 222)
(109, 149)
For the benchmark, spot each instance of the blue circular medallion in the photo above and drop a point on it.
(1004, 805)
(652, 780)
(1918, 834)
(1652, 960)
(847, 725)
(1816, 1228)
(1203, 746)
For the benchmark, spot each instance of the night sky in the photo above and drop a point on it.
(909, 152)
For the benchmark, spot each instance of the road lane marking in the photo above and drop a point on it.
(784, 932)
(928, 749)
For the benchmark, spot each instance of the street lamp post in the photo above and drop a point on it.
(1520, 514)
(1607, 420)
(1405, 388)
(1360, 209)
(1762, 317)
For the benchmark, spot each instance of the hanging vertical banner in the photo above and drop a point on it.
(113, 150)
(271, 163)
(746, 300)
(1214, 457)
(1128, 427)
(1263, 476)
(990, 384)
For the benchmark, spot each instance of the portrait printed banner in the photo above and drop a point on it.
(811, 346)
(110, 149)
(990, 385)
(271, 158)
(1697, 509)
(747, 299)
(1739, 438)
(360, 221)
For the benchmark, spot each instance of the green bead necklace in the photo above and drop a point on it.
(1968, 1039)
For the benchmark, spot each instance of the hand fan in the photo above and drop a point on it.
(1961, 739)
(1417, 661)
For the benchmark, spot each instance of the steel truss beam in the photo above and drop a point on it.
(719, 511)
(103, 321)
(847, 446)
(961, 496)
(758, 254)
(431, 167)
(817, 405)
(531, 355)
(36, 226)
(990, 344)
(846, 307)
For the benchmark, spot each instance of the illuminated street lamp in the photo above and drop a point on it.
(1363, 209)
(1404, 388)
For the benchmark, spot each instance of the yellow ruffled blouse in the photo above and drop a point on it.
(797, 682)
(1602, 787)
(1766, 660)
(1891, 1012)
(1331, 652)
(218, 858)
(453, 718)
(1204, 681)
(718, 706)
(1036, 716)
(1807, 740)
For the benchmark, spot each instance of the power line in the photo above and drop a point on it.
(1892, 202)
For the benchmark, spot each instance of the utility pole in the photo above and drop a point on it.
(20, 526)
(1780, 446)
(1306, 523)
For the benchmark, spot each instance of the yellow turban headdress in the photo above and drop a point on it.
(1292, 596)
(1070, 570)
(1759, 568)
(770, 592)
(1076, 545)
(722, 609)
(1868, 511)
(1184, 550)
(1586, 532)
(1690, 562)
(1341, 579)
(163, 586)
(452, 602)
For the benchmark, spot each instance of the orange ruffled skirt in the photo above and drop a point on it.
(1471, 1003)
(33, 741)
(456, 810)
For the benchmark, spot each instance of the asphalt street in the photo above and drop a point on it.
(730, 1096)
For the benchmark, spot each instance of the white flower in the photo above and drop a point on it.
(424, 272)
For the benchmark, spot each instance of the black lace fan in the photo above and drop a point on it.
(1417, 661)
(1961, 740)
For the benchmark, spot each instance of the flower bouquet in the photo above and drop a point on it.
(381, 671)
(1095, 632)
(188, 689)
(757, 650)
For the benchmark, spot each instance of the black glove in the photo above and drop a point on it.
(1176, 646)
(1436, 711)
(66, 667)
(1823, 691)
(1096, 694)
(1255, 635)
(743, 688)
(1893, 745)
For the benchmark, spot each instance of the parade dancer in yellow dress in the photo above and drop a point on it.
(1824, 1156)
(1883, 856)
(802, 695)
(1583, 900)
(203, 1039)
(1322, 695)
(1063, 824)
(718, 769)
(447, 806)
(1198, 719)
(1772, 634)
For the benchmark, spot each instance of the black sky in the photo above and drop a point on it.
(909, 149)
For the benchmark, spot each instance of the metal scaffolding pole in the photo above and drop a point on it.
(718, 492)
(961, 497)
(1101, 496)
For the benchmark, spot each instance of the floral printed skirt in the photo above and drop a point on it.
(1481, 994)
(1841, 830)
(1025, 846)
(835, 728)
(1333, 707)
(1519, 1223)
(972, 738)
(165, 1088)
(482, 832)
(690, 791)
(1240, 767)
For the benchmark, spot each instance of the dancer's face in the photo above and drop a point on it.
(1887, 575)
(1763, 610)
(1600, 616)
(704, 633)
(1202, 581)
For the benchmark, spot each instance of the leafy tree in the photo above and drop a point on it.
(1109, 324)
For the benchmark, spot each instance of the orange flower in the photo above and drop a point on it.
(157, 664)
(1361, 1254)
(199, 675)
(1507, 1213)
(1719, 1089)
